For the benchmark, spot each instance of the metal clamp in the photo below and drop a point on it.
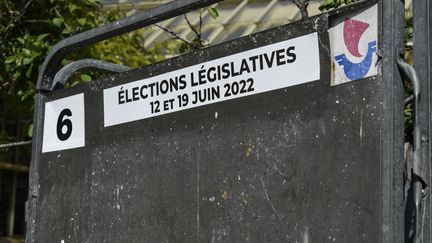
(419, 151)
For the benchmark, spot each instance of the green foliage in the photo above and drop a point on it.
(213, 12)
(409, 115)
(29, 29)
(408, 29)
(27, 32)
(197, 42)
(331, 4)
(408, 56)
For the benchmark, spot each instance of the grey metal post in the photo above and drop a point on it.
(392, 169)
(422, 63)
(31, 203)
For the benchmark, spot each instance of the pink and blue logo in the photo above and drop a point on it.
(353, 30)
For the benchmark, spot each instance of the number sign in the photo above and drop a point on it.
(64, 124)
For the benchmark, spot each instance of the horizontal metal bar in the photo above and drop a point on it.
(14, 167)
(15, 144)
(12, 239)
(130, 5)
(52, 62)
(349, 8)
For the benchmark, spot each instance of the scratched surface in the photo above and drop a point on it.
(298, 164)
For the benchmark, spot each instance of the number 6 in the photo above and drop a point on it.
(61, 122)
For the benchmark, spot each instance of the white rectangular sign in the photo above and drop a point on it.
(271, 67)
(64, 126)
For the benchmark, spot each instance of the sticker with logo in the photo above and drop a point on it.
(353, 44)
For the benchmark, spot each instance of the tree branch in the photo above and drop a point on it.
(24, 9)
(21, 12)
(59, 14)
(14, 20)
(7, 6)
(190, 25)
(198, 34)
(36, 21)
(175, 35)
(302, 6)
(4, 85)
(200, 24)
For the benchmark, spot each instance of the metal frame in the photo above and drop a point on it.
(52, 62)
(391, 33)
(392, 128)
(392, 93)
(422, 52)
(418, 168)
(64, 74)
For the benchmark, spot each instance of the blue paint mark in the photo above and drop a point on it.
(357, 70)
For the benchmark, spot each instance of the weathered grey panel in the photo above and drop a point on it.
(296, 164)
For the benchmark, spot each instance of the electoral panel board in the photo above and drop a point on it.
(273, 137)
